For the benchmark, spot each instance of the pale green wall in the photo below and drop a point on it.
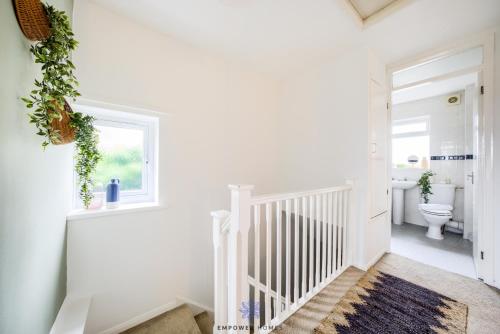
(35, 195)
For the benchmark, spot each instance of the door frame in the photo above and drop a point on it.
(485, 269)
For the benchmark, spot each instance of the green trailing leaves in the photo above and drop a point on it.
(57, 81)
(47, 99)
(87, 154)
(425, 185)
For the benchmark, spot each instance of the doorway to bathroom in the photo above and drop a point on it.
(440, 155)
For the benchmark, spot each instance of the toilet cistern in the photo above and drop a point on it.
(398, 199)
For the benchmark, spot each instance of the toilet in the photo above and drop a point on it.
(438, 211)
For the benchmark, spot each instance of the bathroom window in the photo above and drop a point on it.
(409, 127)
(127, 142)
(410, 137)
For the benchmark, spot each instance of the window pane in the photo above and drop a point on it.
(402, 148)
(437, 67)
(409, 127)
(122, 157)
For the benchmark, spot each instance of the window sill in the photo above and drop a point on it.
(82, 214)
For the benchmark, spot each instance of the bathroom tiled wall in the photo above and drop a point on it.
(447, 150)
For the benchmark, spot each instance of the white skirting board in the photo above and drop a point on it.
(195, 307)
(370, 263)
(141, 318)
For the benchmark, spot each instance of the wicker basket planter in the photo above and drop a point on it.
(63, 126)
(32, 19)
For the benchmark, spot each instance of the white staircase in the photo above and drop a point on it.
(273, 253)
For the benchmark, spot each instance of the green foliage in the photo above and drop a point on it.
(124, 164)
(58, 80)
(87, 155)
(48, 98)
(425, 185)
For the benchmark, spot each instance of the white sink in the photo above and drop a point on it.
(398, 199)
(396, 184)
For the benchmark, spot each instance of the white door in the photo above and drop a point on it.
(472, 175)
(470, 164)
(473, 180)
(378, 149)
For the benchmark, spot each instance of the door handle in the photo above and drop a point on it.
(471, 177)
(374, 147)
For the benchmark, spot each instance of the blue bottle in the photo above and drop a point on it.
(113, 194)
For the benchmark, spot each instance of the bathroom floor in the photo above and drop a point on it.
(453, 254)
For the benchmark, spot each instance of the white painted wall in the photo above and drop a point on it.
(323, 135)
(220, 117)
(447, 137)
(32, 228)
(220, 129)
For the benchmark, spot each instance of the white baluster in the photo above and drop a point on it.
(351, 228)
(238, 288)
(279, 266)
(323, 233)
(344, 228)
(269, 222)
(220, 267)
(311, 242)
(318, 239)
(296, 252)
(329, 231)
(256, 304)
(304, 246)
(288, 239)
(339, 229)
(334, 227)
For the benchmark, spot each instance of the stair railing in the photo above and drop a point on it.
(273, 253)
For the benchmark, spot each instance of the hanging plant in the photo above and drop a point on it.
(57, 81)
(87, 154)
(425, 185)
(52, 115)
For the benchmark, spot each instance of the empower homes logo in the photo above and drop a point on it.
(249, 310)
(222, 328)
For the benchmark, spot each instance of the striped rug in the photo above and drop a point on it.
(381, 303)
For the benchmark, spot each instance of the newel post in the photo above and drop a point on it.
(238, 289)
(220, 219)
(352, 239)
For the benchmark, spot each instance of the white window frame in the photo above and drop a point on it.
(114, 116)
(423, 119)
(404, 121)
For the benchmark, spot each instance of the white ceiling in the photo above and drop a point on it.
(282, 35)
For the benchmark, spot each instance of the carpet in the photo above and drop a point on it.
(381, 303)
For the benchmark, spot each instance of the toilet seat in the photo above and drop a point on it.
(436, 209)
(444, 214)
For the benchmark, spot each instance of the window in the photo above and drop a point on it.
(410, 137)
(438, 66)
(127, 142)
(405, 128)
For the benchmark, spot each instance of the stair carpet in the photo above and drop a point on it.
(177, 321)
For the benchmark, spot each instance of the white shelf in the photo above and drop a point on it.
(82, 214)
